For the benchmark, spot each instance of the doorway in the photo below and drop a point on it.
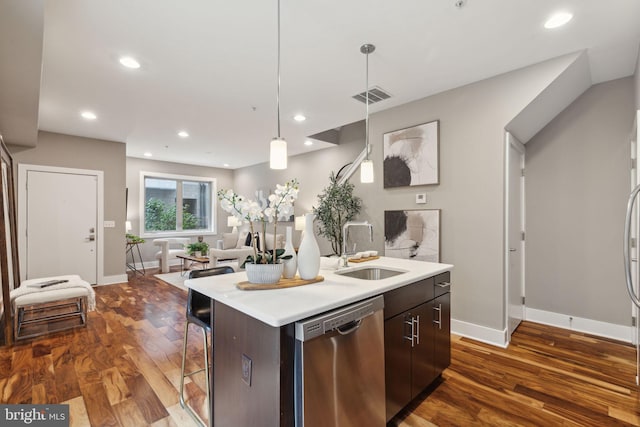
(60, 212)
(515, 234)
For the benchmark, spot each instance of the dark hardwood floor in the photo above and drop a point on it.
(124, 370)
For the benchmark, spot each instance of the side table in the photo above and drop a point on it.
(131, 248)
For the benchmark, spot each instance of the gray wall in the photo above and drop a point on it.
(55, 149)
(577, 182)
(224, 179)
(470, 194)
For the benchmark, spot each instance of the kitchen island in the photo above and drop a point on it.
(254, 336)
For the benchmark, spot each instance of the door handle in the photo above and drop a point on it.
(512, 249)
(417, 335)
(411, 336)
(439, 321)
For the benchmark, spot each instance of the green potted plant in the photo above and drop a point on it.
(198, 249)
(336, 206)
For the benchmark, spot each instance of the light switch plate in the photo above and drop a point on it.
(421, 198)
(246, 369)
(109, 224)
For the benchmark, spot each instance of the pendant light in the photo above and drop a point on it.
(278, 147)
(366, 167)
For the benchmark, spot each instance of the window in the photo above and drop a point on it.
(173, 204)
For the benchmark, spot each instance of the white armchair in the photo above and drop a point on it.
(169, 249)
(233, 247)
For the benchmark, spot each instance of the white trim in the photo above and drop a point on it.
(155, 264)
(112, 280)
(23, 169)
(580, 324)
(483, 334)
(173, 233)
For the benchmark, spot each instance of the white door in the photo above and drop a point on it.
(62, 219)
(515, 221)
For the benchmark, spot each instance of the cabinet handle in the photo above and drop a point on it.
(439, 321)
(417, 335)
(411, 335)
(443, 285)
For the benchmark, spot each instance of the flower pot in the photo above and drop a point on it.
(197, 254)
(264, 273)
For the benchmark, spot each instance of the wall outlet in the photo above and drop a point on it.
(109, 224)
(421, 198)
(246, 369)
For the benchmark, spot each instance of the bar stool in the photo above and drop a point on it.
(199, 313)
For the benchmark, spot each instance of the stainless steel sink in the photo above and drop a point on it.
(370, 273)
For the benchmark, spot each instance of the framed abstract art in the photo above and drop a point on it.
(411, 156)
(412, 234)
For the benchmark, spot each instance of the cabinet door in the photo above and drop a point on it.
(422, 355)
(397, 356)
(442, 330)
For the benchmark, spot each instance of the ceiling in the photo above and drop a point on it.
(210, 67)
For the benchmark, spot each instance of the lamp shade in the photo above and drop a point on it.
(366, 171)
(300, 223)
(278, 154)
(232, 221)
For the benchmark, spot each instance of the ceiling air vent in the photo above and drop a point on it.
(375, 95)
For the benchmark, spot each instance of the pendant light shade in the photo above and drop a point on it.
(278, 147)
(278, 154)
(366, 167)
(366, 172)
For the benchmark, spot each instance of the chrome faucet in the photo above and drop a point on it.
(345, 231)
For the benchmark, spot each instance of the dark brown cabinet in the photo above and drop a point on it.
(417, 339)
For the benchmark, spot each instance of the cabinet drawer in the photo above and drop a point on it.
(407, 297)
(442, 284)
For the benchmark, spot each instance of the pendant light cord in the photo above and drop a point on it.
(278, 91)
(366, 137)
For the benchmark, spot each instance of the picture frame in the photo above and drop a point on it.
(411, 156)
(412, 234)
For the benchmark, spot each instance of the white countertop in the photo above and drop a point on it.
(279, 307)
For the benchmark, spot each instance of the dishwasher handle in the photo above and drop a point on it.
(349, 327)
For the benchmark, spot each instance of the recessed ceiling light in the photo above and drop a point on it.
(558, 20)
(88, 115)
(308, 142)
(226, 165)
(183, 134)
(147, 154)
(129, 62)
(299, 118)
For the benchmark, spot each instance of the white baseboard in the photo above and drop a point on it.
(110, 280)
(491, 336)
(580, 324)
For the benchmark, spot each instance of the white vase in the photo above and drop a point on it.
(309, 252)
(264, 273)
(290, 265)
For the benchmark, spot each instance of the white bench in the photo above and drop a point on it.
(50, 305)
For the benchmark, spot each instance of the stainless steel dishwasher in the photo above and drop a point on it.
(339, 367)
